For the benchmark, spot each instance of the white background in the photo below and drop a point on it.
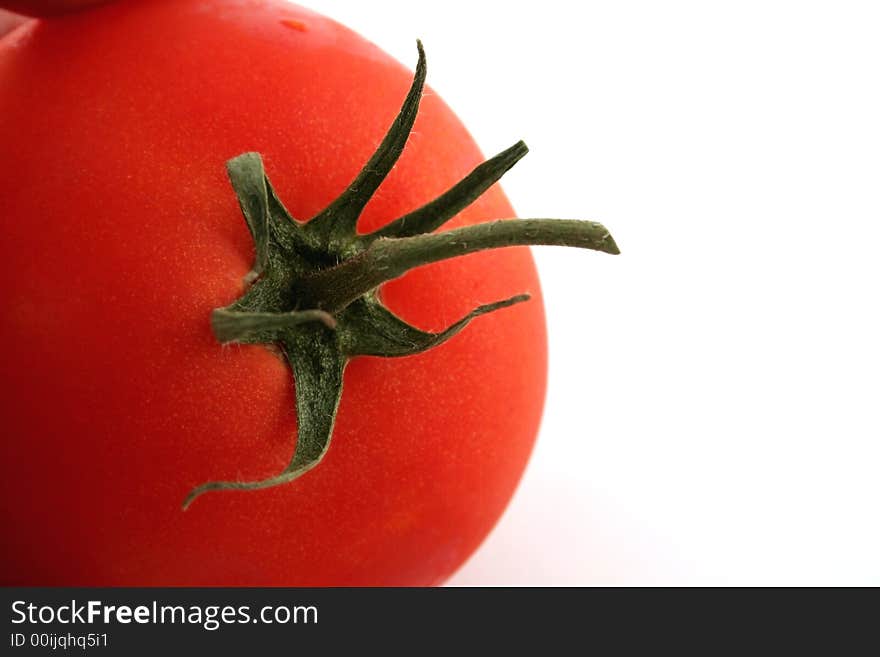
(712, 414)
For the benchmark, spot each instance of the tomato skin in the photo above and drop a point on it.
(43, 8)
(122, 233)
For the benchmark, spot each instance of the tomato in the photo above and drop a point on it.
(122, 233)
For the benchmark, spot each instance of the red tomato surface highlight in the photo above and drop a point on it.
(121, 233)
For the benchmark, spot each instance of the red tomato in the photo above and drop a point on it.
(46, 7)
(121, 233)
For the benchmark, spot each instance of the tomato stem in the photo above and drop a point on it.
(231, 326)
(387, 258)
(341, 216)
(312, 288)
(431, 216)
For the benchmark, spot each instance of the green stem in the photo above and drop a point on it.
(269, 482)
(338, 220)
(235, 326)
(387, 258)
(309, 293)
(431, 216)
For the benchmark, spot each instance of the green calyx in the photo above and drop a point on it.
(312, 288)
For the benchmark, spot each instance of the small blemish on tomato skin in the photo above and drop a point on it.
(294, 24)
